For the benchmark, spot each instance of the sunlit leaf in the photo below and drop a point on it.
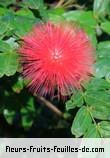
(92, 132)
(8, 64)
(102, 67)
(106, 27)
(76, 100)
(104, 127)
(9, 115)
(99, 102)
(82, 122)
(101, 8)
(97, 84)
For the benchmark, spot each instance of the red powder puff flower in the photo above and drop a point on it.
(56, 58)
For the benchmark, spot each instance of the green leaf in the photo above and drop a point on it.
(99, 101)
(18, 86)
(70, 105)
(7, 3)
(25, 25)
(56, 15)
(3, 10)
(7, 19)
(76, 100)
(102, 68)
(27, 114)
(8, 64)
(9, 116)
(101, 8)
(105, 26)
(86, 20)
(92, 132)
(104, 127)
(11, 21)
(27, 122)
(30, 105)
(97, 84)
(103, 53)
(92, 34)
(6, 28)
(55, 18)
(38, 5)
(3, 28)
(97, 98)
(12, 42)
(104, 45)
(103, 49)
(5, 47)
(82, 17)
(56, 11)
(101, 112)
(25, 12)
(34, 4)
(82, 122)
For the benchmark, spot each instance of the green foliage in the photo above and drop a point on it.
(86, 20)
(88, 109)
(56, 15)
(97, 107)
(104, 127)
(101, 8)
(106, 26)
(38, 5)
(94, 100)
(82, 122)
(99, 102)
(103, 62)
(9, 115)
(8, 64)
(76, 100)
(7, 3)
(8, 59)
(92, 132)
(27, 114)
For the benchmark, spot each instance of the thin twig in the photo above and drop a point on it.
(49, 105)
(69, 2)
(63, 3)
(60, 3)
(76, 6)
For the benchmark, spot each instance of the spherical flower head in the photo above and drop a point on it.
(56, 58)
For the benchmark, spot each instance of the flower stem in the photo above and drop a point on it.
(50, 105)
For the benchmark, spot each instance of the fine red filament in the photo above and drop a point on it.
(56, 58)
